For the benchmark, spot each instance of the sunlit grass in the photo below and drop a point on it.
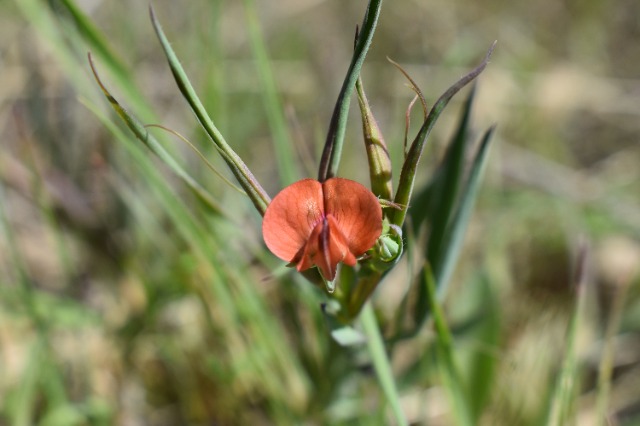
(125, 300)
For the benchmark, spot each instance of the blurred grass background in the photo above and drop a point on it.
(124, 301)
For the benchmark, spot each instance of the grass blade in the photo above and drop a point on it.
(151, 142)
(605, 369)
(242, 173)
(437, 200)
(485, 360)
(453, 239)
(273, 106)
(380, 361)
(563, 395)
(234, 304)
(98, 44)
(450, 374)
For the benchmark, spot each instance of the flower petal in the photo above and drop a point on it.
(339, 250)
(307, 257)
(291, 217)
(333, 249)
(325, 248)
(356, 210)
(313, 224)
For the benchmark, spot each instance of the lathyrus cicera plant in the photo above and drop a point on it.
(325, 225)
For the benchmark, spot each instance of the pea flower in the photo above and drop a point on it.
(310, 223)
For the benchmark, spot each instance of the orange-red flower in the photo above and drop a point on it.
(322, 224)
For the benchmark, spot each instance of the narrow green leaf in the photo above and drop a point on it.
(335, 137)
(451, 376)
(408, 173)
(605, 369)
(284, 148)
(457, 227)
(564, 393)
(152, 143)
(453, 238)
(98, 44)
(272, 362)
(435, 203)
(249, 183)
(485, 360)
(88, 31)
(381, 362)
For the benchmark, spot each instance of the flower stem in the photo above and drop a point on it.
(381, 363)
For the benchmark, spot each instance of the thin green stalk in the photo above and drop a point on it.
(381, 363)
(58, 29)
(249, 183)
(606, 361)
(450, 373)
(363, 289)
(215, 94)
(154, 145)
(563, 396)
(335, 136)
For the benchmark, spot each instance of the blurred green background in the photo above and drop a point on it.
(124, 301)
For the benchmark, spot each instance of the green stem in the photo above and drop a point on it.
(335, 137)
(381, 363)
(605, 370)
(451, 377)
(249, 183)
(564, 394)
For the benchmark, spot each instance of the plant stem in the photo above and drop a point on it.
(381, 363)
(337, 128)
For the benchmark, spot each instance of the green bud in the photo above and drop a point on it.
(377, 153)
